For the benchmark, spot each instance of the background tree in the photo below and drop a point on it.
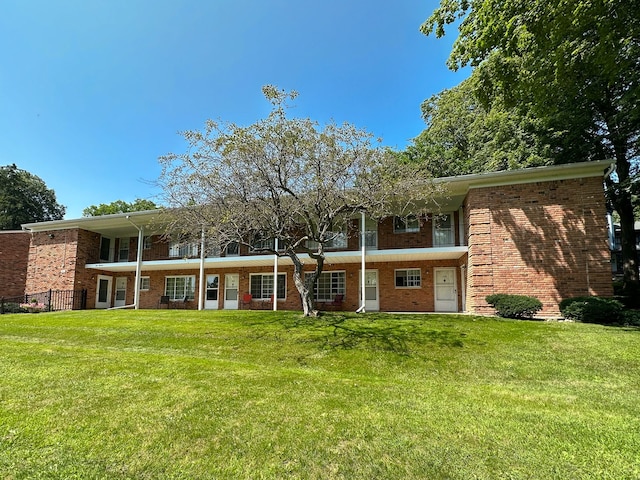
(465, 135)
(119, 206)
(289, 180)
(24, 198)
(575, 65)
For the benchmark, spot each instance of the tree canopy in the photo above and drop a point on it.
(465, 135)
(25, 198)
(575, 66)
(288, 180)
(119, 206)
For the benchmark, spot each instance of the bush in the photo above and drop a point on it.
(605, 311)
(514, 306)
(632, 317)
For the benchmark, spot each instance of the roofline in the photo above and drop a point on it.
(87, 222)
(567, 171)
(457, 185)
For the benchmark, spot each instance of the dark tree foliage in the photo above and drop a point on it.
(24, 198)
(575, 66)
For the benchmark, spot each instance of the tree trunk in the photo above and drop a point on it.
(305, 287)
(621, 199)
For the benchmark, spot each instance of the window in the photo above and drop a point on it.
(443, 231)
(123, 251)
(263, 243)
(407, 224)
(179, 287)
(147, 243)
(233, 249)
(106, 254)
(262, 286)
(145, 283)
(409, 278)
(183, 250)
(328, 285)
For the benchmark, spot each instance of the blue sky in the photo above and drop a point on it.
(92, 92)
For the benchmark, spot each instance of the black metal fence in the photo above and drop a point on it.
(49, 301)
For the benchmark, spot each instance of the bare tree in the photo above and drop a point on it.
(288, 180)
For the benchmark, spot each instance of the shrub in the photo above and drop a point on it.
(514, 306)
(632, 317)
(606, 311)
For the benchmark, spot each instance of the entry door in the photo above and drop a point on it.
(121, 292)
(103, 294)
(446, 293)
(231, 282)
(371, 298)
(211, 294)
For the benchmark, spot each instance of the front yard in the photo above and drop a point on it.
(183, 394)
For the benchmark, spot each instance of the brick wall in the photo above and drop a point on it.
(52, 261)
(545, 239)
(14, 256)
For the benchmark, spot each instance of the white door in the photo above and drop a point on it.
(121, 292)
(103, 293)
(211, 293)
(446, 294)
(371, 299)
(231, 282)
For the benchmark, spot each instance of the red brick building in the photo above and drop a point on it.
(14, 256)
(539, 232)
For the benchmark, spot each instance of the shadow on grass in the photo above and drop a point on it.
(375, 333)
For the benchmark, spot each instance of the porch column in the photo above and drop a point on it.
(275, 277)
(363, 265)
(136, 290)
(201, 288)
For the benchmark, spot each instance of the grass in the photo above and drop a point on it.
(259, 395)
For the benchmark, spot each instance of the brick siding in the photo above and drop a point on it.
(14, 257)
(545, 239)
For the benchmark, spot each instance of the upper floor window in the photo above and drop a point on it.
(123, 251)
(260, 243)
(183, 250)
(337, 240)
(407, 224)
(443, 235)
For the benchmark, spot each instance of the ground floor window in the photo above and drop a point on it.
(262, 286)
(145, 283)
(180, 287)
(328, 285)
(409, 277)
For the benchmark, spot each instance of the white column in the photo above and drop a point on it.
(275, 277)
(202, 286)
(363, 266)
(136, 289)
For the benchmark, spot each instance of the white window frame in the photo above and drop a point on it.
(337, 285)
(183, 250)
(266, 291)
(187, 289)
(406, 224)
(145, 284)
(413, 280)
(439, 232)
(123, 242)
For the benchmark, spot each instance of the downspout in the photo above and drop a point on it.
(201, 286)
(136, 289)
(275, 277)
(363, 251)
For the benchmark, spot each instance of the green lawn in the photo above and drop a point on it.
(175, 394)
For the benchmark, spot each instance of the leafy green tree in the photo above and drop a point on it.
(464, 135)
(288, 180)
(575, 65)
(25, 198)
(119, 206)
